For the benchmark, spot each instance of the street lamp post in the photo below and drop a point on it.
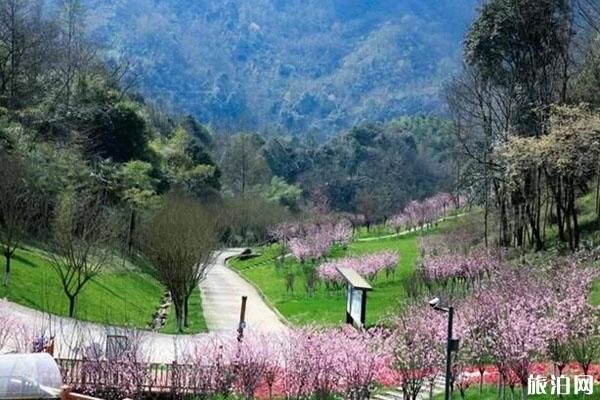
(451, 345)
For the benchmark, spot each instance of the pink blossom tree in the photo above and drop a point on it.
(361, 357)
(341, 232)
(418, 348)
(368, 266)
(313, 241)
(252, 364)
(355, 220)
(398, 222)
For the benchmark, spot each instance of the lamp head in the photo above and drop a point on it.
(434, 302)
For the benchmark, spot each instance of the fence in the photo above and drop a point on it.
(88, 375)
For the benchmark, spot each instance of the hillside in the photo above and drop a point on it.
(294, 66)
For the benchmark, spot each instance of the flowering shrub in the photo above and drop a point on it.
(418, 214)
(457, 266)
(417, 348)
(368, 266)
(311, 241)
(122, 376)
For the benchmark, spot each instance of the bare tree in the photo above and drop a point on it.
(181, 240)
(589, 13)
(25, 46)
(81, 243)
(77, 55)
(243, 163)
(15, 208)
(13, 34)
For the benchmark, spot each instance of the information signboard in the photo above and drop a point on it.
(356, 305)
(356, 292)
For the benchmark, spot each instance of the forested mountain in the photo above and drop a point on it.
(293, 66)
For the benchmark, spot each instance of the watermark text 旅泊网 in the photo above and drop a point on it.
(560, 385)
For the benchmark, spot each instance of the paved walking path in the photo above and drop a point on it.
(424, 394)
(72, 335)
(406, 232)
(427, 391)
(221, 300)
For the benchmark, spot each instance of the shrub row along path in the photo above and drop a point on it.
(221, 296)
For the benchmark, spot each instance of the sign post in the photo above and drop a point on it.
(242, 323)
(356, 305)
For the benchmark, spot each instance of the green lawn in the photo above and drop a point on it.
(326, 307)
(491, 393)
(590, 234)
(123, 295)
(374, 231)
(197, 321)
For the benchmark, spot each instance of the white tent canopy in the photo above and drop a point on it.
(29, 376)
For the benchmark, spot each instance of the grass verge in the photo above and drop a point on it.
(327, 307)
(196, 317)
(122, 295)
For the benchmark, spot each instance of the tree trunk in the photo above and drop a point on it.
(569, 217)
(485, 221)
(586, 367)
(8, 257)
(186, 311)
(559, 209)
(71, 306)
(131, 230)
(573, 213)
(481, 382)
(598, 192)
(178, 315)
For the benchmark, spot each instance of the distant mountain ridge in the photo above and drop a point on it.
(291, 66)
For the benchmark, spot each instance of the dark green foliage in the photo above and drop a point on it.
(200, 156)
(523, 49)
(505, 35)
(121, 134)
(286, 157)
(376, 169)
(294, 66)
(197, 130)
(585, 85)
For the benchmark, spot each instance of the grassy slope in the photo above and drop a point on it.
(590, 233)
(325, 307)
(122, 295)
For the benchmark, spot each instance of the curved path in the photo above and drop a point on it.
(221, 300)
(73, 335)
(221, 291)
(406, 232)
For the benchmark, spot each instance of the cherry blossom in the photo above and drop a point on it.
(398, 222)
(341, 232)
(368, 265)
(310, 240)
(418, 214)
(418, 348)
(456, 266)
